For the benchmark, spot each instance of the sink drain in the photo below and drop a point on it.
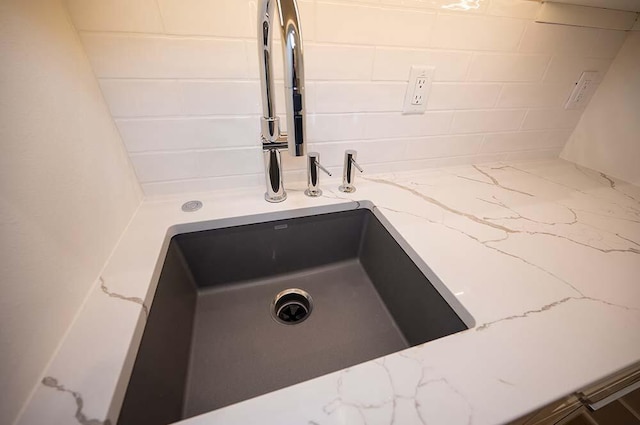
(291, 306)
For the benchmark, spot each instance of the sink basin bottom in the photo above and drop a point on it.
(238, 346)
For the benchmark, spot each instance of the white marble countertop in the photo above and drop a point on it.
(545, 255)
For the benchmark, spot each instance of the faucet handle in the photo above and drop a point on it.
(348, 174)
(313, 179)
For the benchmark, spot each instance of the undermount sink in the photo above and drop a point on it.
(250, 305)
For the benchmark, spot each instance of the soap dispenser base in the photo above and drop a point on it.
(313, 193)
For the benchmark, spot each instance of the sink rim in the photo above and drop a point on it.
(451, 300)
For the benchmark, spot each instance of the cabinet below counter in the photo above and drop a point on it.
(612, 401)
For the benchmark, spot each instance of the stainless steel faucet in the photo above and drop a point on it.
(273, 140)
(348, 173)
(313, 176)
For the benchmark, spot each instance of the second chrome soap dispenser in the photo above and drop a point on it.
(348, 172)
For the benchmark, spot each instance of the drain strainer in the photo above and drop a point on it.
(291, 306)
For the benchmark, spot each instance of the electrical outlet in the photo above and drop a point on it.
(583, 90)
(415, 101)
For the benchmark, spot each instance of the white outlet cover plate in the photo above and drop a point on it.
(583, 90)
(413, 90)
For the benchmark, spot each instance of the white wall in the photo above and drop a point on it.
(181, 80)
(607, 137)
(67, 189)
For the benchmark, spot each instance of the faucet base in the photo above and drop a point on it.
(313, 193)
(273, 172)
(275, 199)
(347, 188)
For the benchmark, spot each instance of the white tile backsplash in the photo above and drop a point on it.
(369, 151)
(148, 97)
(571, 41)
(487, 121)
(335, 127)
(533, 154)
(181, 80)
(507, 67)
(214, 163)
(359, 97)
(136, 56)
(161, 166)
(158, 166)
(403, 28)
(524, 140)
(361, 24)
(446, 96)
(204, 184)
(473, 32)
(438, 147)
(222, 98)
(162, 134)
(534, 95)
(142, 97)
(567, 69)
(394, 64)
(116, 15)
(225, 18)
(329, 62)
(551, 118)
(396, 125)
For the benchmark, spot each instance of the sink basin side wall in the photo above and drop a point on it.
(418, 309)
(156, 389)
(255, 251)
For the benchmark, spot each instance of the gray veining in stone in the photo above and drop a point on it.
(491, 222)
(136, 300)
(82, 419)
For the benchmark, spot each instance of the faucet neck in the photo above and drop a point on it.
(293, 74)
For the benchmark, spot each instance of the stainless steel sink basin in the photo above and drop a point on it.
(250, 306)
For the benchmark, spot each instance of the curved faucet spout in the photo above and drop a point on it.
(293, 74)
